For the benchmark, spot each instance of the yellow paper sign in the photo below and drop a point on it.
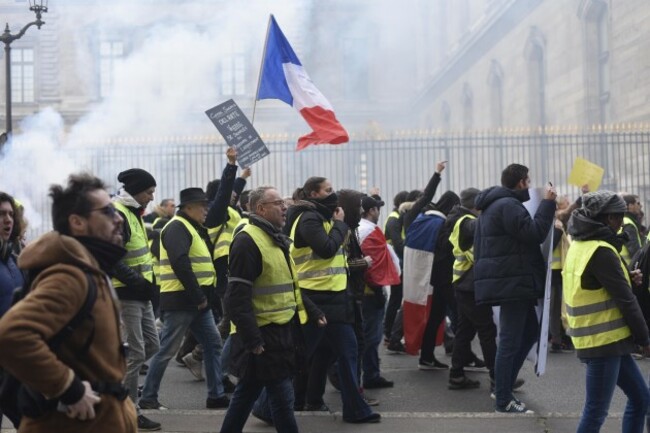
(586, 172)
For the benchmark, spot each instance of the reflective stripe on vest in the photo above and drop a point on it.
(199, 256)
(625, 253)
(276, 294)
(593, 317)
(393, 214)
(315, 272)
(222, 244)
(463, 260)
(138, 255)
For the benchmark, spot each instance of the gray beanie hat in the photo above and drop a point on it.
(467, 197)
(602, 203)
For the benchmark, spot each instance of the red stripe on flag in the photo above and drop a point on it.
(327, 130)
(415, 321)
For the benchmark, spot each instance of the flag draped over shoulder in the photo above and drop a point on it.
(283, 77)
(418, 260)
(385, 264)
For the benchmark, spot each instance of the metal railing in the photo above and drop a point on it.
(403, 160)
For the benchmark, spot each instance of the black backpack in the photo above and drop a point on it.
(641, 261)
(16, 398)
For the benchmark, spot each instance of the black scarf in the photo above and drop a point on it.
(107, 254)
(326, 205)
(282, 240)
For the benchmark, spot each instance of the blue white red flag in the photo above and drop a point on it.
(283, 77)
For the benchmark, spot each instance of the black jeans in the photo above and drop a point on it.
(394, 303)
(473, 319)
(442, 297)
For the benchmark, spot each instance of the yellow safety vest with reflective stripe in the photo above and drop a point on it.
(393, 214)
(222, 243)
(276, 293)
(241, 224)
(199, 256)
(138, 256)
(625, 253)
(315, 272)
(593, 317)
(156, 265)
(463, 260)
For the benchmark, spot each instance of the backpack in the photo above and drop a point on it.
(640, 260)
(16, 398)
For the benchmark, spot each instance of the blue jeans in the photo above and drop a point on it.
(175, 324)
(280, 397)
(603, 374)
(225, 356)
(518, 332)
(343, 342)
(373, 317)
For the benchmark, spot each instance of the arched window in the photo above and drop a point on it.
(535, 54)
(595, 17)
(495, 86)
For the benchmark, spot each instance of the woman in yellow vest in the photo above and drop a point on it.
(605, 321)
(318, 233)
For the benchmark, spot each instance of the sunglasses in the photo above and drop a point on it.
(108, 210)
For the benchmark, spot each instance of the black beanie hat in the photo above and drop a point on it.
(136, 180)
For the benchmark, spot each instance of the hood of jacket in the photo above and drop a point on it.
(127, 199)
(583, 228)
(54, 248)
(492, 194)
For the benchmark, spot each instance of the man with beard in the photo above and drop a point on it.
(86, 243)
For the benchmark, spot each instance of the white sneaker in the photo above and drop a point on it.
(195, 367)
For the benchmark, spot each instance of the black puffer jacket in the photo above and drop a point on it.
(508, 260)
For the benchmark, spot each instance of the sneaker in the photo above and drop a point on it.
(217, 403)
(195, 367)
(151, 404)
(370, 401)
(517, 385)
(432, 365)
(396, 347)
(145, 424)
(373, 418)
(476, 365)
(380, 382)
(514, 406)
(317, 408)
(463, 382)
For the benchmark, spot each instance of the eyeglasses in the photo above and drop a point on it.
(108, 210)
(275, 202)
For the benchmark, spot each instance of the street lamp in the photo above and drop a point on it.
(38, 7)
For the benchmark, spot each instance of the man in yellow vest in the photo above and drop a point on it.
(134, 282)
(187, 275)
(631, 227)
(264, 302)
(605, 321)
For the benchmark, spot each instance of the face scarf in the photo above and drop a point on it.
(330, 202)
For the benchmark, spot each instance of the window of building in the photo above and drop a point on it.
(536, 60)
(22, 75)
(110, 54)
(495, 86)
(468, 107)
(233, 71)
(356, 77)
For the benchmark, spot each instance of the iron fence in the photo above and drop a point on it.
(400, 161)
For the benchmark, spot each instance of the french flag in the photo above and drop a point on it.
(283, 77)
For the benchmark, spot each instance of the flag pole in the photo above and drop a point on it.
(259, 77)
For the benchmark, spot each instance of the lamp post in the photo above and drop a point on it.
(38, 7)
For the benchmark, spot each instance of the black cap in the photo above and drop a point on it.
(136, 180)
(192, 195)
(368, 203)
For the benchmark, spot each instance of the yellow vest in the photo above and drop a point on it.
(138, 256)
(276, 293)
(200, 258)
(559, 252)
(393, 214)
(625, 253)
(316, 273)
(222, 243)
(593, 317)
(463, 260)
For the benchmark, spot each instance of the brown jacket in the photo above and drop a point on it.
(58, 293)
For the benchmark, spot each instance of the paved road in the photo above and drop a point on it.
(419, 402)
